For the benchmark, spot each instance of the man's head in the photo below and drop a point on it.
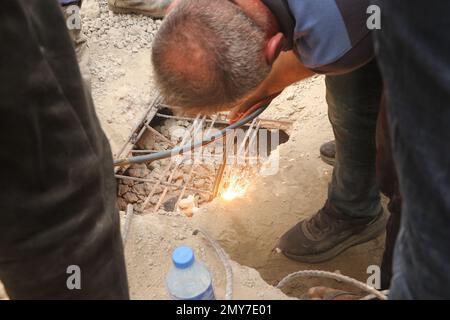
(210, 54)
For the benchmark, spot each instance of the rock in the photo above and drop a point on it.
(138, 170)
(130, 197)
(155, 174)
(121, 204)
(161, 145)
(177, 133)
(186, 178)
(188, 206)
(123, 188)
(128, 182)
(202, 198)
(139, 189)
(200, 183)
(202, 171)
(149, 187)
(169, 205)
(177, 175)
(147, 141)
(155, 199)
(187, 168)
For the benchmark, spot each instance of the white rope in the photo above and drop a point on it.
(371, 296)
(332, 275)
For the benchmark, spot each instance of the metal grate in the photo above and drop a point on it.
(204, 173)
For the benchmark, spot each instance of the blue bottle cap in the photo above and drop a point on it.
(183, 257)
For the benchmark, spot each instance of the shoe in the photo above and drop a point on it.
(152, 8)
(328, 152)
(328, 233)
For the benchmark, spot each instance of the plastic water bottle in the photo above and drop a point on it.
(188, 279)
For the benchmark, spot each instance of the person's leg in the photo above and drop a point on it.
(388, 182)
(353, 213)
(413, 47)
(353, 106)
(57, 205)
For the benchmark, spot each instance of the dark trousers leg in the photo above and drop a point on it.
(57, 205)
(413, 52)
(388, 182)
(353, 105)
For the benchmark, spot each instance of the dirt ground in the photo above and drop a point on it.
(247, 228)
(250, 227)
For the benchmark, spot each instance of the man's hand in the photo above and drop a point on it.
(286, 70)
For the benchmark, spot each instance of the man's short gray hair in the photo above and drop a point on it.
(208, 54)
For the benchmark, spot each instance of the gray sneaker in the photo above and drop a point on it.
(152, 8)
(328, 233)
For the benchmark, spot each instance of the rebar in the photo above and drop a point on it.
(152, 192)
(193, 166)
(186, 148)
(140, 124)
(175, 169)
(118, 176)
(160, 135)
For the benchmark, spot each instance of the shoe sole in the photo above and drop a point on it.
(373, 231)
(328, 160)
(136, 11)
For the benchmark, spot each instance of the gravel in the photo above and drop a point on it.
(122, 82)
(107, 29)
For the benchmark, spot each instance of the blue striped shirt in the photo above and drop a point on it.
(328, 35)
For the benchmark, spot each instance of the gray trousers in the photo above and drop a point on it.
(353, 106)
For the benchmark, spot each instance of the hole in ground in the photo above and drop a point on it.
(200, 175)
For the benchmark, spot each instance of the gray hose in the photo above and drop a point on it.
(225, 261)
(190, 147)
(332, 275)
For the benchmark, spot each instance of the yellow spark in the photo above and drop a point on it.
(235, 189)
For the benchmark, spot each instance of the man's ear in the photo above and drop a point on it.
(274, 47)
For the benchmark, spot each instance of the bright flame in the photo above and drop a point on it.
(235, 189)
(231, 194)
